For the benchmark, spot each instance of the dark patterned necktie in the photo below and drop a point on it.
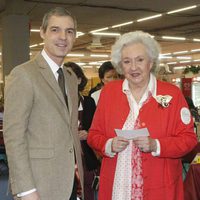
(61, 82)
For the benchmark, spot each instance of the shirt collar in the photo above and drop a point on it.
(54, 67)
(152, 86)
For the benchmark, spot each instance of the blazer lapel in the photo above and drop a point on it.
(70, 88)
(49, 77)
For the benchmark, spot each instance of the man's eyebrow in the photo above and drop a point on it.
(53, 27)
(70, 29)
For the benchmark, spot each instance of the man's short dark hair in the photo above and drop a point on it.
(58, 11)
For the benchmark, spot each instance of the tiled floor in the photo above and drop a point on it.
(4, 193)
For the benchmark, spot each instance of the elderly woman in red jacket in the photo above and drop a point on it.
(149, 166)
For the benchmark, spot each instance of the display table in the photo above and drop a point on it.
(190, 156)
(192, 180)
(192, 183)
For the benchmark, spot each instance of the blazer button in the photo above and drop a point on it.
(71, 150)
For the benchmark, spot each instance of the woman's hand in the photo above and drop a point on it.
(145, 144)
(119, 144)
(83, 134)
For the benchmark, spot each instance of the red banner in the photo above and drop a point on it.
(187, 87)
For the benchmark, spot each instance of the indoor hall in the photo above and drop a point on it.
(100, 23)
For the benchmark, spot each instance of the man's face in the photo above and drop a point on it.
(59, 37)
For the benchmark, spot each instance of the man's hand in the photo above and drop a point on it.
(32, 196)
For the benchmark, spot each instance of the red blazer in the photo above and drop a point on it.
(163, 174)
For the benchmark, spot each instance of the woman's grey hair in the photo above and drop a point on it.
(152, 48)
(58, 11)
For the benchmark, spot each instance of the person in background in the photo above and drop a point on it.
(107, 73)
(193, 109)
(147, 166)
(41, 116)
(94, 89)
(86, 108)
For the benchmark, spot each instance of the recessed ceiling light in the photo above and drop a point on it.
(147, 18)
(99, 55)
(196, 40)
(173, 38)
(195, 50)
(185, 61)
(35, 30)
(101, 29)
(75, 55)
(123, 24)
(171, 63)
(181, 9)
(106, 34)
(183, 57)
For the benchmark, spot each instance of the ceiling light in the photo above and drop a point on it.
(101, 29)
(195, 50)
(35, 30)
(78, 34)
(94, 63)
(99, 55)
(165, 54)
(75, 55)
(151, 17)
(86, 66)
(34, 45)
(106, 34)
(182, 9)
(164, 57)
(171, 63)
(196, 40)
(180, 52)
(197, 60)
(185, 61)
(123, 24)
(183, 57)
(173, 38)
(179, 67)
(81, 63)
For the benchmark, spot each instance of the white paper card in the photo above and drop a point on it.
(131, 134)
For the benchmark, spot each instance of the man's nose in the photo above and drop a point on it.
(63, 35)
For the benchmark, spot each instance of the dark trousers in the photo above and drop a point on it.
(74, 190)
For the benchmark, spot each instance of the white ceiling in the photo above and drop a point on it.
(96, 14)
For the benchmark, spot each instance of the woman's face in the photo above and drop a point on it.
(109, 76)
(136, 64)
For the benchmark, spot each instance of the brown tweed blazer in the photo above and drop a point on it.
(40, 133)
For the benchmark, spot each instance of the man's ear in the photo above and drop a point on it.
(41, 33)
